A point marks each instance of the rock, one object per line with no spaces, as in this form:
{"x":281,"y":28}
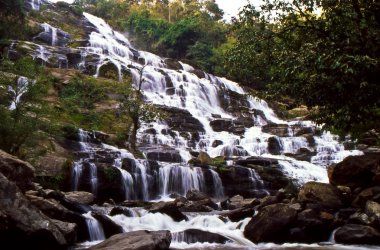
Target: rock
{"x":270,"y":224}
{"x":206,"y":205}
{"x":204,"y":159}
{"x":199,"y":73}
{"x":372,"y":209}
{"x":55,"y":210}
{"x":69,"y":230}
{"x":238,"y":201}
{"x":355,"y":171}
{"x":312,"y":226}
{"x":121,"y":210}
{"x":357,"y":234}
{"x":240,"y":213}
{"x":274,"y":145}
{"x":173,"y":64}
{"x":223,"y":124}
{"x":168,"y":208}
{"x":281,"y":130}
{"x":196,"y":195}
{"x":195,"y":235}
{"x":372,"y":193}
{"x":320,"y":195}
{"x":109,"y":226}
{"x":216,"y":143}
{"x":137,"y":240}
{"x":257,"y":160}
{"x":22,"y":225}
{"x":165,"y":155}
{"x":14,"y":169}
{"x":109,"y":70}
{"x":81,"y":197}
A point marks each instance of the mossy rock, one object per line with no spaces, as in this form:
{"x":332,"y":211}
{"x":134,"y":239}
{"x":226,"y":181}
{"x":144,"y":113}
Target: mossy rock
{"x":110,"y":71}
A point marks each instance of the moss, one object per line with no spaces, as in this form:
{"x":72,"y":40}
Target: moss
{"x":111,"y":174}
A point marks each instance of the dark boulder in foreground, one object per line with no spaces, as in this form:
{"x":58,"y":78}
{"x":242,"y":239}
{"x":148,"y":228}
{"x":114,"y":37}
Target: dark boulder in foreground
{"x":320,"y":195}
{"x":22,"y":225}
{"x":14,"y":169}
{"x":195,"y":235}
{"x":138,"y":240}
{"x":355,"y":171}
{"x":357,"y":234}
{"x":270,"y":224}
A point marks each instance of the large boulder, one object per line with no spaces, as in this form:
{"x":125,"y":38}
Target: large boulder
{"x":81,"y":197}
{"x":14,"y":169}
{"x":137,"y":240}
{"x":109,"y":226}
{"x":320,"y":195}
{"x":195,"y":235}
{"x":55,"y":210}
{"x":169,"y":208}
{"x":355,"y":171}
{"x":271,"y":224}
{"x":22,"y":225}
{"x":281,"y":130}
{"x":357,"y":234}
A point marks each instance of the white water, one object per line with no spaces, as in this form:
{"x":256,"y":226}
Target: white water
{"x":20,"y":89}
{"x":95,"y":229}
{"x":218,"y":185}
{"x":209,"y":223}
{"x":50,"y":30}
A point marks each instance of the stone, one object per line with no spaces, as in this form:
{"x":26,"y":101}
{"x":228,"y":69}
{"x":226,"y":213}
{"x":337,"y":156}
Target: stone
{"x":320,"y":195}
{"x":22,"y":225}
{"x":69,"y":230}
{"x":372,"y":209}
{"x":355,"y":171}
{"x":280,"y":130}
{"x":270,"y":224}
{"x":196,"y":195}
{"x":195,"y":235}
{"x":81,"y":197}
{"x":274,"y":145}
{"x":357,"y":234}
{"x":173,"y":64}
{"x":216,"y":143}
{"x":109,"y":226}
{"x":372,"y":193}
{"x":240,"y":213}
{"x":121,"y":210}
{"x":14,"y":169}
{"x":170,"y":209}
{"x":137,"y":240}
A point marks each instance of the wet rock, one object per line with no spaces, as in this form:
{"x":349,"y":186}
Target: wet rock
{"x":357,"y":234}
{"x":14,"y":169}
{"x":229,"y":125}
{"x":22,"y":225}
{"x":195,"y":235}
{"x":121,"y":210}
{"x":137,"y":240}
{"x":69,"y":230}
{"x":109,"y":70}
{"x":261,"y":161}
{"x":355,"y":171}
{"x":109,"y":226}
{"x":320,"y":195}
{"x":53,"y":209}
{"x":240,"y":213}
{"x":281,"y":130}
{"x":173,"y":64}
{"x":238,"y":201}
{"x":81,"y":197}
{"x":312,"y":226}
{"x":373,"y":209}
{"x":162,"y":154}
{"x":216,"y":143}
{"x":270,"y":224}
{"x":274,"y":145}
{"x":372,"y":193}
{"x":169,"y":208}
{"x":199,"y":73}
{"x":196,"y":195}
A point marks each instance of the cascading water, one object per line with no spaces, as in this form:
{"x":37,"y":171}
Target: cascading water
{"x":20,"y":89}
{"x":95,"y":229}
{"x":50,"y":30}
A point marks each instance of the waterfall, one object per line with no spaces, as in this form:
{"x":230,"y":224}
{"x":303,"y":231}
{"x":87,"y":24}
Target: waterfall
{"x":180,"y":179}
{"x":93,"y":178}
{"x":142,"y":179}
{"x":20,"y":89}
{"x":76,"y":174}
{"x":95,"y":229}
{"x":50,"y":30}
{"x":217,"y":184}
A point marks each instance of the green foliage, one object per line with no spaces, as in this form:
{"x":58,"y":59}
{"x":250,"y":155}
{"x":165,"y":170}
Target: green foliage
{"x":328,"y":61}
{"x":20,"y":126}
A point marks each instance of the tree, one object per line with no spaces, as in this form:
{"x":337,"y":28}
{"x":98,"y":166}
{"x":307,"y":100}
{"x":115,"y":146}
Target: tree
{"x":22,"y":107}
{"x":328,"y":61}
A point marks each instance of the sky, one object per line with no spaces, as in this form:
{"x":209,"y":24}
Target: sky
{"x":230,"y":7}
